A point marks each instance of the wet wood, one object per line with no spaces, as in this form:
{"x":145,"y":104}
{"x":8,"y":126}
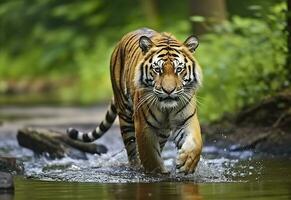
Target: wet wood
{"x":55,"y":144}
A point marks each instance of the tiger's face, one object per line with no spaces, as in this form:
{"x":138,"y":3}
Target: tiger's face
{"x":169,"y":73}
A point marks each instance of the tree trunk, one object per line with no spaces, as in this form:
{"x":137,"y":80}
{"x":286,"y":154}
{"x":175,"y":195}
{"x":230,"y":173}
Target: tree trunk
{"x":206,"y":14}
{"x":288,"y":29}
{"x":150,"y":9}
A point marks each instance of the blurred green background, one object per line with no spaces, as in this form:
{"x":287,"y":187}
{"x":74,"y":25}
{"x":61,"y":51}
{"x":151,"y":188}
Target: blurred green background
{"x":58,"y":51}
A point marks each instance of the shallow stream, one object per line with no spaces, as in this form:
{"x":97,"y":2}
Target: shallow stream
{"x":221,"y":174}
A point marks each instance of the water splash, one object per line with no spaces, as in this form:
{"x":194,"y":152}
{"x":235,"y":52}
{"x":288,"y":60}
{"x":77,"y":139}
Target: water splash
{"x":113,"y":167}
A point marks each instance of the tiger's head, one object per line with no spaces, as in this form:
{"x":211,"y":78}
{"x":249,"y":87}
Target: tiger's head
{"x":168,"y":73}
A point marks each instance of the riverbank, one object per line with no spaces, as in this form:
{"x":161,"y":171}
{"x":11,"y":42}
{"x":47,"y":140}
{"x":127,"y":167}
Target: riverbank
{"x":264,"y":127}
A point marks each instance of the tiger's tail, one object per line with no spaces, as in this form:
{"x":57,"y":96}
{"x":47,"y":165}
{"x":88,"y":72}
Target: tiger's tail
{"x":99,"y":130}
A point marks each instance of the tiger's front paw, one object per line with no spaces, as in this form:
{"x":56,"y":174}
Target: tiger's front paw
{"x":188,"y":159}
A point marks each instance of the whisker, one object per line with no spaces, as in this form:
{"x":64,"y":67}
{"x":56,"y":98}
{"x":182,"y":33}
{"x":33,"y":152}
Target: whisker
{"x":144,"y":99}
{"x":188,"y":98}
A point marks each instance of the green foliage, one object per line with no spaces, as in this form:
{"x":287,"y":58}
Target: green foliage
{"x":70,"y":43}
{"x":243,"y":61}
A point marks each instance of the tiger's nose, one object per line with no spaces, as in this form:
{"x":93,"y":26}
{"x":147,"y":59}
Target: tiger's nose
{"x":169,"y":90}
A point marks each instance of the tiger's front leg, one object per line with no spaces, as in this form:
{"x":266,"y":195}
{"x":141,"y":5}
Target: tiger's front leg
{"x":189,"y":143}
{"x":148,"y":145}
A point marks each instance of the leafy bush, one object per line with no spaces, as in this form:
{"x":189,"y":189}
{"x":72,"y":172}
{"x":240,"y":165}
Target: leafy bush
{"x":243,"y":61}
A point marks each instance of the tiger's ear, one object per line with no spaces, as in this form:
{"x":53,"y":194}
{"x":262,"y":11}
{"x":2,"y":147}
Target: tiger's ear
{"x":145,"y":43}
{"x":191,"y":43}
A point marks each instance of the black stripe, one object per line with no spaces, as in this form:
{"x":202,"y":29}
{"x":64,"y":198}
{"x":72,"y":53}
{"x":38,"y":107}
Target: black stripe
{"x":188,"y":118}
{"x":113,"y":108}
{"x":109,"y":118}
{"x":133,"y":56}
{"x":174,"y":45}
{"x":102,"y":127}
{"x":133,"y":53}
{"x":125,"y":129}
{"x":174,"y":55}
{"x":179,"y":52}
{"x":122,"y":75}
{"x":129,"y":140}
{"x":194,"y":75}
{"x":157,"y":150}
{"x":131,"y":152}
{"x":178,"y":142}
{"x":73,"y":133}
{"x":178,"y":134}
{"x":152,"y":126}
{"x":152,"y":114}
{"x":171,"y":45}
{"x":182,"y":107}
{"x":95,"y":134}
{"x":161,"y":55}
{"x":146,"y":71}
{"x":129,"y":40}
{"x":163,"y":49}
{"x":163,"y":136}
{"x":163,"y":142}
{"x":127,"y":106}
{"x":86,"y":138}
{"x":189,"y":71}
{"x":125,"y":118}
{"x":142,"y":74}
{"x":114,"y":84}
{"x":147,"y":79}
{"x":133,"y":45}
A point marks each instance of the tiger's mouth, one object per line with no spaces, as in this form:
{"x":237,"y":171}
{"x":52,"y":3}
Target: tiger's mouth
{"x":168,"y":99}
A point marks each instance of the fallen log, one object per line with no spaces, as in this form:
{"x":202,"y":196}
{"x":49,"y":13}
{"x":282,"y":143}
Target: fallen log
{"x":56,"y":144}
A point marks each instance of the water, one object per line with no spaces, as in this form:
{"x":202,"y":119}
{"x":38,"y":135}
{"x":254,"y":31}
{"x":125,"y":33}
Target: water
{"x":221,"y":174}
{"x":273,"y":182}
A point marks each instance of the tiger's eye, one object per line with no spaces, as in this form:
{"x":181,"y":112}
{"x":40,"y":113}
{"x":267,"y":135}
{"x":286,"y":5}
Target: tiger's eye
{"x":179,"y":69}
{"x":157,"y":69}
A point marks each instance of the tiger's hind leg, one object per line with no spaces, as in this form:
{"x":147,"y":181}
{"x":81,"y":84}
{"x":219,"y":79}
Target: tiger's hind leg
{"x":128,"y":136}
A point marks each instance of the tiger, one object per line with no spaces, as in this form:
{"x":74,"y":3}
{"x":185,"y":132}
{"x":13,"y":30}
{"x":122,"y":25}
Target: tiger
{"x":154,"y":79}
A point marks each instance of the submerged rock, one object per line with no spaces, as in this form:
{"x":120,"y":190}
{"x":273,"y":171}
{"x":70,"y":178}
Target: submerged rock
{"x":11,"y":165}
{"x":6,"y":181}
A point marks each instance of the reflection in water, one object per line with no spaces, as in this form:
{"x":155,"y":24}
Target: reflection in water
{"x":144,"y":191}
{"x":6,"y":195}
{"x":246,"y":178}
{"x":275,"y":183}
{"x":29,"y":189}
